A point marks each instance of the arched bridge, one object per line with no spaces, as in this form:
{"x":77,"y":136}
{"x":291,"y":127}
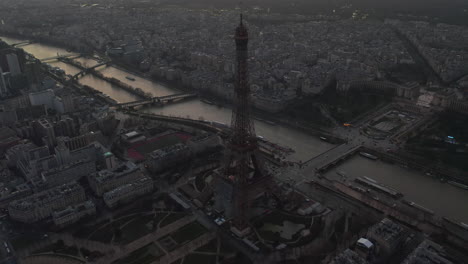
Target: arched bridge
{"x":204,"y":125}
{"x":157,"y":100}
{"x":87,"y":70}
{"x":70,"y":56}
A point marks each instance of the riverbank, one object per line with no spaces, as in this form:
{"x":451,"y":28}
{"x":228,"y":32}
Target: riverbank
{"x":44,"y":40}
{"x":83,"y":89}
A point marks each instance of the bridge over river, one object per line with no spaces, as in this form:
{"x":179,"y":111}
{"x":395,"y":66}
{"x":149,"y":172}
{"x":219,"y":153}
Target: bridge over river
{"x":157,"y":100}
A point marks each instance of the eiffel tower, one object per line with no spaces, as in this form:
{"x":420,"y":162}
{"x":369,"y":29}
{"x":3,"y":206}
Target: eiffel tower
{"x":243,"y":177}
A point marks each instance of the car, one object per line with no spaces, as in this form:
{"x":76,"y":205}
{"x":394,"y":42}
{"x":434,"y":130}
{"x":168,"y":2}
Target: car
{"x":220,"y":220}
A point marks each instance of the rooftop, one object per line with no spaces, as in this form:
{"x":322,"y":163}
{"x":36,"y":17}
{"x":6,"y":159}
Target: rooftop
{"x":160,"y":153}
{"x":348,"y":257}
{"x":428,"y":252}
{"x":74,"y":209}
{"x":45,"y":197}
{"x":120,"y":171}
{"x":126,"y":188}
{"x":387,"y":230}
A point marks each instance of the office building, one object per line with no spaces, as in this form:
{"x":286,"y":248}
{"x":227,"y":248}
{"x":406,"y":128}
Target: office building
{"x":428,"y":252}
{"x":106,"y":180}
{"x":34,"y":74}
{"x":41,"y":205}
{"x":388,"y":236}
{"x":167,"y":157}
{"x":13,"y":64}
{"x":45,"y":131}
{"x":348,"y":257}
{"x":71,"y":171}
{"x":73,"y":143}
{"x":73,"y":213}
{"x":3,"y":84}
{"x":128,"y":192}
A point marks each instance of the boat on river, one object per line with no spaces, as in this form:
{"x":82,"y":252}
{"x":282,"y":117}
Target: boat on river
{"x":367,"y":155}
{"x":457,"y":184}
{"x":270,"y":122}
{"x":207,"y":101}
{"x":130,"y":78}
{"x":341,"y":173}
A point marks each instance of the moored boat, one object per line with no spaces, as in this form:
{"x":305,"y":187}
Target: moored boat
{"x":207,"y":101}
{"x":367,"y":155}
{"x":457,"y":184}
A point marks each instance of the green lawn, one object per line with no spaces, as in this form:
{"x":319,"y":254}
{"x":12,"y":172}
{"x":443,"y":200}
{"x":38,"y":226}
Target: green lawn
{"x":58,"y":248}
{"x":62,"y":257}
{"x":144,"y":255}
{"x":188,"y":232}
{"x":210,"y":247}
{"x":103,"y":234}
{"x":200,"y":258}
{"x":172,"y":218}
{"x":183,"y":235}
{"x":278,"y":218}
{"x":24,"y":241}
{"x":177,"y":261}
{"x":135,"y":229}
{"x":85,"y":230}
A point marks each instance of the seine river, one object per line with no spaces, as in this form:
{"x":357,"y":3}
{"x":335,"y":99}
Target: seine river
{"x":444,"y":199}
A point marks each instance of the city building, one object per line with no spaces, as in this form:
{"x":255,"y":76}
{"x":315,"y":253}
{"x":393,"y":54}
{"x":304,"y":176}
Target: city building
{"x":34,"y":74}
{"x":80,"y":141}
{"x":73,"y":213}
{"x":13,"y":64}
{"x":70,"y":171}
{"x":13,"y":154}
{"x":167,"y":157}
{"x":109,"y":179}
{"x":8,"y":116}
{"x":132,"y":137}
{"x":32,"y":163}
{"x":110,"y":162}
{"x":310,"y":207}
{"x":45,"y":131}
{"x":65,"y":127}
{"x":7,"y":195}
{"x":41,"y":205}
{"x":348,"y":257}
{"x":45,"y":97}
{"x":8,"y":139}
{"x":3,"y":84}
{"x":428,"y":252}
{"x":204,"y":143}
{"x":61,"y":104}
{"x":388,"y":236}
{"x":128,"y":192}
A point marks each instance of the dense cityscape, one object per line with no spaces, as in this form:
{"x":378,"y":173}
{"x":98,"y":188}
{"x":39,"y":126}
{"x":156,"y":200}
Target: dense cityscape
{"x":138,"y":132}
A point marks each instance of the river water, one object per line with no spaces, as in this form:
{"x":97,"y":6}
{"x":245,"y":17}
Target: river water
{"x":306,"y":146}
{"x":444,"y":199}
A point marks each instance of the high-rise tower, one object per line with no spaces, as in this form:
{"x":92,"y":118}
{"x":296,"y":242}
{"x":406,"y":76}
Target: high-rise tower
{"x":243,"y":169}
